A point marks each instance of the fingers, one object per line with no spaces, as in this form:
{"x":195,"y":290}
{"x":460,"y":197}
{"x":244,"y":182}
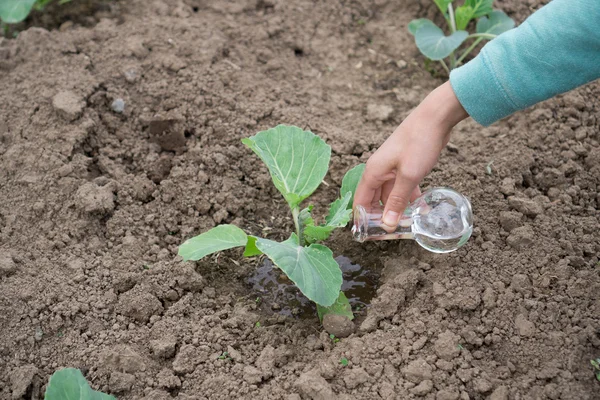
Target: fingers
{"x":369,"y":189}
{"x":398,"y":199}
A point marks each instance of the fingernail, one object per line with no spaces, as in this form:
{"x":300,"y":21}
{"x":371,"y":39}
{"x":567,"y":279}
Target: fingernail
{"x":391,"y":218}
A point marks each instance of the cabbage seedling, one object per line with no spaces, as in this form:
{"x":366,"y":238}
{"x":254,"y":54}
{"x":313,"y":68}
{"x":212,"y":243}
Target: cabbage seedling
{"x":297,"y":161}
{"x":70,"y":384}
{"x":435,"y":45}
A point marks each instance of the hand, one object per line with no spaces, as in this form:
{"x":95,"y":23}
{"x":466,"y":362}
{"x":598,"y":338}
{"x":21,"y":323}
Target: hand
{"x":394,"y":171}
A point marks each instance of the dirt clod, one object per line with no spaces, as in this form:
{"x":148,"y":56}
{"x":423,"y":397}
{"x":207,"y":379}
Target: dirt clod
{"x":21,"y":379}
{"x":121,"y":382}
{"x":68,"y":105}
{"x":418,"y":371}
{"x":338,"y":325}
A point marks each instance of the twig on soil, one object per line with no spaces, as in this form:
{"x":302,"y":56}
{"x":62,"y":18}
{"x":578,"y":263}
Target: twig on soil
{"x":233,"y":65}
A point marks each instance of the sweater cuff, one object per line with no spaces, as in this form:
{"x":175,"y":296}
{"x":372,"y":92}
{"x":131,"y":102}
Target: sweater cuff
{"x":479,"y":92}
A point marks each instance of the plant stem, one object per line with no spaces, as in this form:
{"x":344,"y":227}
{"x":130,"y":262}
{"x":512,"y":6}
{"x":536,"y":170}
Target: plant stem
{"x":489,"y":36}
{"x":452,"y":19}
{"x":468,"y":50}
{"x":295,"y":213}
{"x":445,"y":66}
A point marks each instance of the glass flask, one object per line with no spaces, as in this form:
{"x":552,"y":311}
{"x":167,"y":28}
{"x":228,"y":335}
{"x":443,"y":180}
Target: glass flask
{"x":441,"y":221}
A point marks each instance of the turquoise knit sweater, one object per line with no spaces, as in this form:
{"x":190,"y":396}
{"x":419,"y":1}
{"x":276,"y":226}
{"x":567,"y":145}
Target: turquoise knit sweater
{"x":555,"y":50}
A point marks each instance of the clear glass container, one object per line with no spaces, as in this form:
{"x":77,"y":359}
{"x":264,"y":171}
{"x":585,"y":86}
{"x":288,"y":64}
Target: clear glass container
{"x":441,"y":221}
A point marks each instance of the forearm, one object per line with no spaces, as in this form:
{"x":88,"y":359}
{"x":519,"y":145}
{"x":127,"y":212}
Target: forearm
{"x":555,"y":50}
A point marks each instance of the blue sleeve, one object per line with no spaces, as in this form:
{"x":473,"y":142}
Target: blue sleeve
{"x":555,"y":50}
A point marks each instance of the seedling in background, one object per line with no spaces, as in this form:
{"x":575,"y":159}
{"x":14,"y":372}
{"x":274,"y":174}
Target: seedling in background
{"x":298,"y":161}
{"x":435,"y":45}
{"x":344,"y":361}
{"x":15,"y":11}
{"x":596,"y":364}
{"x":70,"y":384}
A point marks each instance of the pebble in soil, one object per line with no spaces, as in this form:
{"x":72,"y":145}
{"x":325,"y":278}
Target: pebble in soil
{"x":274,"y":291}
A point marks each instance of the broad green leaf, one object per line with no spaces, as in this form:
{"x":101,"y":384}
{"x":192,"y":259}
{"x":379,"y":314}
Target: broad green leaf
{"x":219,"y":238}
{"x":351,"y":180}
{"x":339,"y":214}
{"x":317,"y":233}
{"x":464,"y":15}
{"x":297,"y":160}
{"x":13,"y":11}
{"x":443,"y":5}
{"x":417,"y":23}
{"x":313,"y":269}
{"x":251,"y":249}
{"x":480,"y":7}
{"x":497,"y":22}
{"x":340,"y":307}
{"x":434,"y":45}
{"x":70,"y":384}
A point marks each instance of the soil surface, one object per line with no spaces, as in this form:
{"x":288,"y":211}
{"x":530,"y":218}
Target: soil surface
{"x":120,"y":138}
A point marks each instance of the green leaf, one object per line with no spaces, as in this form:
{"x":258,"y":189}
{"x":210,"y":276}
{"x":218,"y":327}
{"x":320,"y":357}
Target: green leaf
{"x":317,"y":233}
{"x":313,"y":269}
{"x":14,"y":11}
{"x":497,"y":22}
{"x":339,"y":213}
{"x":70,"y":384}
{"x":344,"y":361}
{"x":464,"y":14}
{"x":340,"y":307}
{"x":416,"y":24}
{"x":480,"y":7}
{"x":251,"y":249}
{"x":351,"y":180}
{"x":443,"y":5}
{"x":297,"y":160}
{"x":219,"y":238}
{"x":434,"y":45}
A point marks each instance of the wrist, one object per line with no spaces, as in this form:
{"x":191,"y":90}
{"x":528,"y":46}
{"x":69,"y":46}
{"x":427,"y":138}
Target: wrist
{"x":443,"y":107}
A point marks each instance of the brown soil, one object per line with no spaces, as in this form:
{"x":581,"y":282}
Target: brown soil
{"x":94,"y":203}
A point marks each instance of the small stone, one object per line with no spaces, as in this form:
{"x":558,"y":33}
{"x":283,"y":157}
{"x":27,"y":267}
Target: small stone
{"x":422,"y":388}
{"x":164,"y":347}
{"x":252,"y":375}
{"x":234,"y":354}
{"x":524,"y":327}
{"x":68,"y":105}
{"x":446,"y":346}
{"x":526,"y":206}
{"x":355,"y":377}
{"x":39,"y":334}
{"x":489,"y":298}
{"x":21,"y":379}
{"x":338,"y":325}
{"x":120,"y":382}
{"x":7,"y":265}
{"x":379,"y":112}
{"x":417,"y":371}
{"x":501,"y":393}
{"x":118,"y":106}
{"x":507,"y":186}
{"x":510,"y":220}
{"x":521,"y":238}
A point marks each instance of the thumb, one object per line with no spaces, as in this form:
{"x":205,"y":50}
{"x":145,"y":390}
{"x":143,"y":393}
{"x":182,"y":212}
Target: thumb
{"x":398,"y":200}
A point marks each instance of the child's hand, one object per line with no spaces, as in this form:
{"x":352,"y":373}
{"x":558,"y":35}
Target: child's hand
{"x":394,"y":171}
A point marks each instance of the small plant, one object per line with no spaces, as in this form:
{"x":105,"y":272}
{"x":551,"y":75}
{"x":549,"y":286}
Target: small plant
{"x":333,"y":338}
{"x":70,"y":384}
{"x":15,"y":11}
{"x":297,"y":161}
{"x":344,"y":361}
{"x":257,"y":324}
{"x":436,"y":46}
{"x":596,"y":364}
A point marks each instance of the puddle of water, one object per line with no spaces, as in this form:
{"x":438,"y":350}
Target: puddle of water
{"x":275,"y":291}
